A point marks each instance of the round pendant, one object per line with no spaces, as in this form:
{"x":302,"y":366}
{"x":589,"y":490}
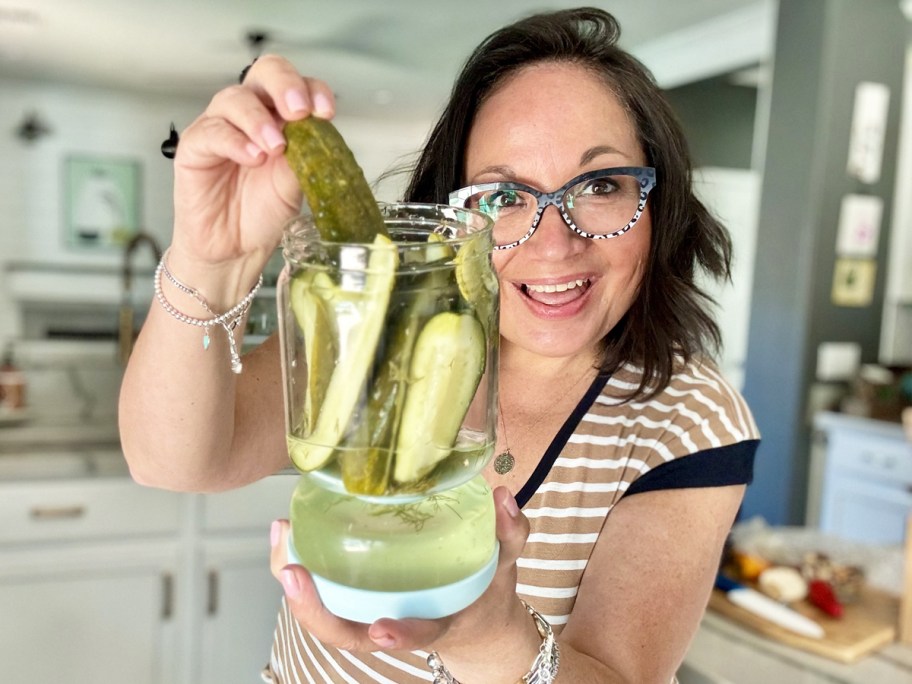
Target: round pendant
{"x":504,"y":462}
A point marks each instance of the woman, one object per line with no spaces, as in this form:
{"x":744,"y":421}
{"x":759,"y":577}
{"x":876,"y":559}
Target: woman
{"x":630,"y":452}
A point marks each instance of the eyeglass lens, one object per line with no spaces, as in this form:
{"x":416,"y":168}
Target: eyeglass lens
{"x":599,"y":206}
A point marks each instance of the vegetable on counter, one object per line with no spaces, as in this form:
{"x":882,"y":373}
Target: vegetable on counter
{"x":821,"y":594}
{"x":783,"y":583}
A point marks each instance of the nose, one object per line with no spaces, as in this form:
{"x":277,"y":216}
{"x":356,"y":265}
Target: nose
{"x":553,"y":238}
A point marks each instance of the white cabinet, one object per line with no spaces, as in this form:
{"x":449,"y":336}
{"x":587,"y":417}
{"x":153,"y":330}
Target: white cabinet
{"x":863,"y":477}
{"x":241,"y":596}
{"x":86,"y":589}
{"x":241,"y":603}
{"x":102,"y":580}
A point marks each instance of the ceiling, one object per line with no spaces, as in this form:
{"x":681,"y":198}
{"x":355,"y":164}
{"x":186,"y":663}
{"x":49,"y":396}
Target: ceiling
{"x":381,"y":58}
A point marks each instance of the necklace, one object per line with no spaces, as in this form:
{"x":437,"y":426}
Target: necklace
{"x":504,"y":461}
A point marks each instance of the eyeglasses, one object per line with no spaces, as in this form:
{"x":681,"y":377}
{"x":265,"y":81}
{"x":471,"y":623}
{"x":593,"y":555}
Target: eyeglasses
{"x":598,"y":205}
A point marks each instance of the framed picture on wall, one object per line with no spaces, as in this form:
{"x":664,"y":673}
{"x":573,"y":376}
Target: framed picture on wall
{"x":101,"y":200}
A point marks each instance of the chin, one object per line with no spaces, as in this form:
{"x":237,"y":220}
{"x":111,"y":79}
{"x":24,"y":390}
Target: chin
{"x":554,"y":345}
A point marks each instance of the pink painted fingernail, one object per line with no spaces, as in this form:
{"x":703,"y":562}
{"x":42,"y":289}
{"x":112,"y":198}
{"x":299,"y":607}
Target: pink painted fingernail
{"x":322,"y":106}
{"x":275,"y":533}
{"x":253,"y":150}
{"x":384,"y":640}
{"x":296,"y":101}
{"x":290,"y":583}
{"x":511,"y":506}
{"x":273,"y":136}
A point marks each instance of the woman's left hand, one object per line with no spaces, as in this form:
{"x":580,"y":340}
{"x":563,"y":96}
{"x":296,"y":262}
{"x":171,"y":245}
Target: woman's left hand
{"x":495,"y":608}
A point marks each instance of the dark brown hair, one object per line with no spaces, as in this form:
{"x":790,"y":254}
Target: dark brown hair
{"x":670,"y":319}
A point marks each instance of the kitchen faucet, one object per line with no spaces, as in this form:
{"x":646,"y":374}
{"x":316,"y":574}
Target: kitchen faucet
{"x":126,"y":333}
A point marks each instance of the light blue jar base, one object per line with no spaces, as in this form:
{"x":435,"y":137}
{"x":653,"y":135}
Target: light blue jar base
{"x":366,"y":605}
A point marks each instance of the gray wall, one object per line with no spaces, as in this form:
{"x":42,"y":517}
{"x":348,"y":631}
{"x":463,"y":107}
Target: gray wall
{"x":718,"y":118}
{"x":824,"y":48}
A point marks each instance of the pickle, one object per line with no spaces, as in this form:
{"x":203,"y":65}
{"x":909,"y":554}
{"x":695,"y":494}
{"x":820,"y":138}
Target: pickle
{"x":308,"y":294}
{"x":447,"y":365}
{"x":368,"y":314}
{"x":340,"y":199}
{"x":477,"y":282}
{"x":366,"y":457}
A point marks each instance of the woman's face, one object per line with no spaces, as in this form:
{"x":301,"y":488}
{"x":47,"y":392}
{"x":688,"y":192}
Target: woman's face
{"x":546,"y":125}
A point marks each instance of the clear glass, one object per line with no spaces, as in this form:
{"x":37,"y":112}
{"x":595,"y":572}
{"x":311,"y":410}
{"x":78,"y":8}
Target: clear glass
{"x":389,"y":353}
{"x":425,"y":544}
{"x":598,"y":204}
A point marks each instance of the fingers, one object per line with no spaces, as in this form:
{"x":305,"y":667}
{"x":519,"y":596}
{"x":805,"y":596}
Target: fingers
{"x":244,"y":122}
{"x":278,"y":542}
{"x":512,"y":527}
{"x":407,"y":634}
{"x":304,"y":601}
{"x":292,"y":96}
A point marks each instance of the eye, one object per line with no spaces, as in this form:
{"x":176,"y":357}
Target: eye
{"x":496,"y":202}
{"x":598,"y":186}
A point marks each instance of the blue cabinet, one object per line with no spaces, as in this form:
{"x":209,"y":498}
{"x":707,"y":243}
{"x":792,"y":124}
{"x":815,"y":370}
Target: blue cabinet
{"x":865,"y":478}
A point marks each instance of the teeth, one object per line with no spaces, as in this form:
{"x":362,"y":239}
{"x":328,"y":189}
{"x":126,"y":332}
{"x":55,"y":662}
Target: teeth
{"x":562,"y":287}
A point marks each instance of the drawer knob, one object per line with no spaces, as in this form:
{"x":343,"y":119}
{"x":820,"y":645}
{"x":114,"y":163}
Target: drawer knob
{"x":57,"y":512}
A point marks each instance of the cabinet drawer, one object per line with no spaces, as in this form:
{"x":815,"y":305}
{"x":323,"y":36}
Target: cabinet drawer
{"x":871,"y":456}
{"x":252,"y":507}
{"x":79,"y":509}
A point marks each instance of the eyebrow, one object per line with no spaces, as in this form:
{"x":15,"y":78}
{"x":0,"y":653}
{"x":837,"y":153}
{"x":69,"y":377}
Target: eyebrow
{"x":509,"y":174}
{"x":504,"y":172}
{"x":597,"y":151}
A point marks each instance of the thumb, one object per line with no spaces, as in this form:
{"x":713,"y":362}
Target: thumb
{"x":512,"y":526}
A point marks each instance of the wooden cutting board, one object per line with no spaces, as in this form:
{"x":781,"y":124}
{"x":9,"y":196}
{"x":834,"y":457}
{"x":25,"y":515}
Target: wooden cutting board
{"x":867,"y":625}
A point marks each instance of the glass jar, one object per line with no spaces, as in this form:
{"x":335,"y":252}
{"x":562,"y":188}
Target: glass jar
{"x":389,"y":364}
{"x":389,"y":353}
{"x":424,"y":559}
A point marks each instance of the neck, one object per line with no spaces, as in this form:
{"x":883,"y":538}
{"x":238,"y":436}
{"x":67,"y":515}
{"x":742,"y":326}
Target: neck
{"x":516,"y":362}
{"x":525,"y":379}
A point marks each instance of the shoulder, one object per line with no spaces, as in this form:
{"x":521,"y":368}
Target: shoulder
{"x":698,"y":410}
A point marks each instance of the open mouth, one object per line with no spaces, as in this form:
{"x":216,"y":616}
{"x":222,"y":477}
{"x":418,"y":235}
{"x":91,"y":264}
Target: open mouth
{"x":557,"y":294}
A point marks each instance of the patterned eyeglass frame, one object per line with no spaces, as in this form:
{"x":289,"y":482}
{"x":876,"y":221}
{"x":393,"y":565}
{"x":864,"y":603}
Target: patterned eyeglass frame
{"x":645,"y":176}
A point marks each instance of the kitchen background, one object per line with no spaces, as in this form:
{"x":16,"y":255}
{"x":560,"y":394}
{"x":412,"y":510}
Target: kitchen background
{"x":799,"y":113}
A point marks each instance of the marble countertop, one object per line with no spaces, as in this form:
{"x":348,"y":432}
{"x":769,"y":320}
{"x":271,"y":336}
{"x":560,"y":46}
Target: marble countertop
{"x":724,"y":652}
{"x":27,"y":432}
{"x":42,"y":448}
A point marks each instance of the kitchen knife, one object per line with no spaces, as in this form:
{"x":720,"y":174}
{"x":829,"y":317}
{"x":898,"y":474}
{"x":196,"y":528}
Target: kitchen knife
{"x":767,"y":608}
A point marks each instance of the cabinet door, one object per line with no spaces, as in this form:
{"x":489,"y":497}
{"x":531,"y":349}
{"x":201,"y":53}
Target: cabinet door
{"x":241,"y":604}
{"x":84,"y":625}
{"x":865,"y":512}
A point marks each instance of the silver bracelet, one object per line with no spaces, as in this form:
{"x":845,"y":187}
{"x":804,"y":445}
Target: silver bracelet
{"x":230,"y":320}
{"x":544,"y":667}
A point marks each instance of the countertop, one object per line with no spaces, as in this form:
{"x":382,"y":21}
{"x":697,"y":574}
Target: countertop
{"x":724,"y":652}
{"x":44,"y":448}
{"x":828,"y":420}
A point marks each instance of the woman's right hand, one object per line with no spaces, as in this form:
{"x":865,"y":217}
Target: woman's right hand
{"x":233,"y":190}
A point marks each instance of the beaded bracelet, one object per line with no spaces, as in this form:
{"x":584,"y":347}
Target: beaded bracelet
{"x":544,"y":667}
{"x":230,"y":320}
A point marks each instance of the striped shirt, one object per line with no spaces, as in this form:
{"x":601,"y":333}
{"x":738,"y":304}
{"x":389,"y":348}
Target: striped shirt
{"x":607,"y":449}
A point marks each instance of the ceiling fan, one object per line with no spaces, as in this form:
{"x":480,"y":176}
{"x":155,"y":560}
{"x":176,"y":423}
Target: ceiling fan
{"x":367,"y":37}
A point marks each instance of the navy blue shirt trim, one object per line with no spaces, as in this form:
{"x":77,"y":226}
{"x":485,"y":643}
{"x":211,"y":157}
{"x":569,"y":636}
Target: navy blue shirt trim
{"x":726,"y":465}
{"x":560,"y":440}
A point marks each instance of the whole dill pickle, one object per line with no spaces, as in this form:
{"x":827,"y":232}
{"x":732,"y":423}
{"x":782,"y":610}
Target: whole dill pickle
{"x":343,"y":206}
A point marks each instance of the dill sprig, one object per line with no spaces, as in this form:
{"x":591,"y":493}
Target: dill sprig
{"x":417,"y":513}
